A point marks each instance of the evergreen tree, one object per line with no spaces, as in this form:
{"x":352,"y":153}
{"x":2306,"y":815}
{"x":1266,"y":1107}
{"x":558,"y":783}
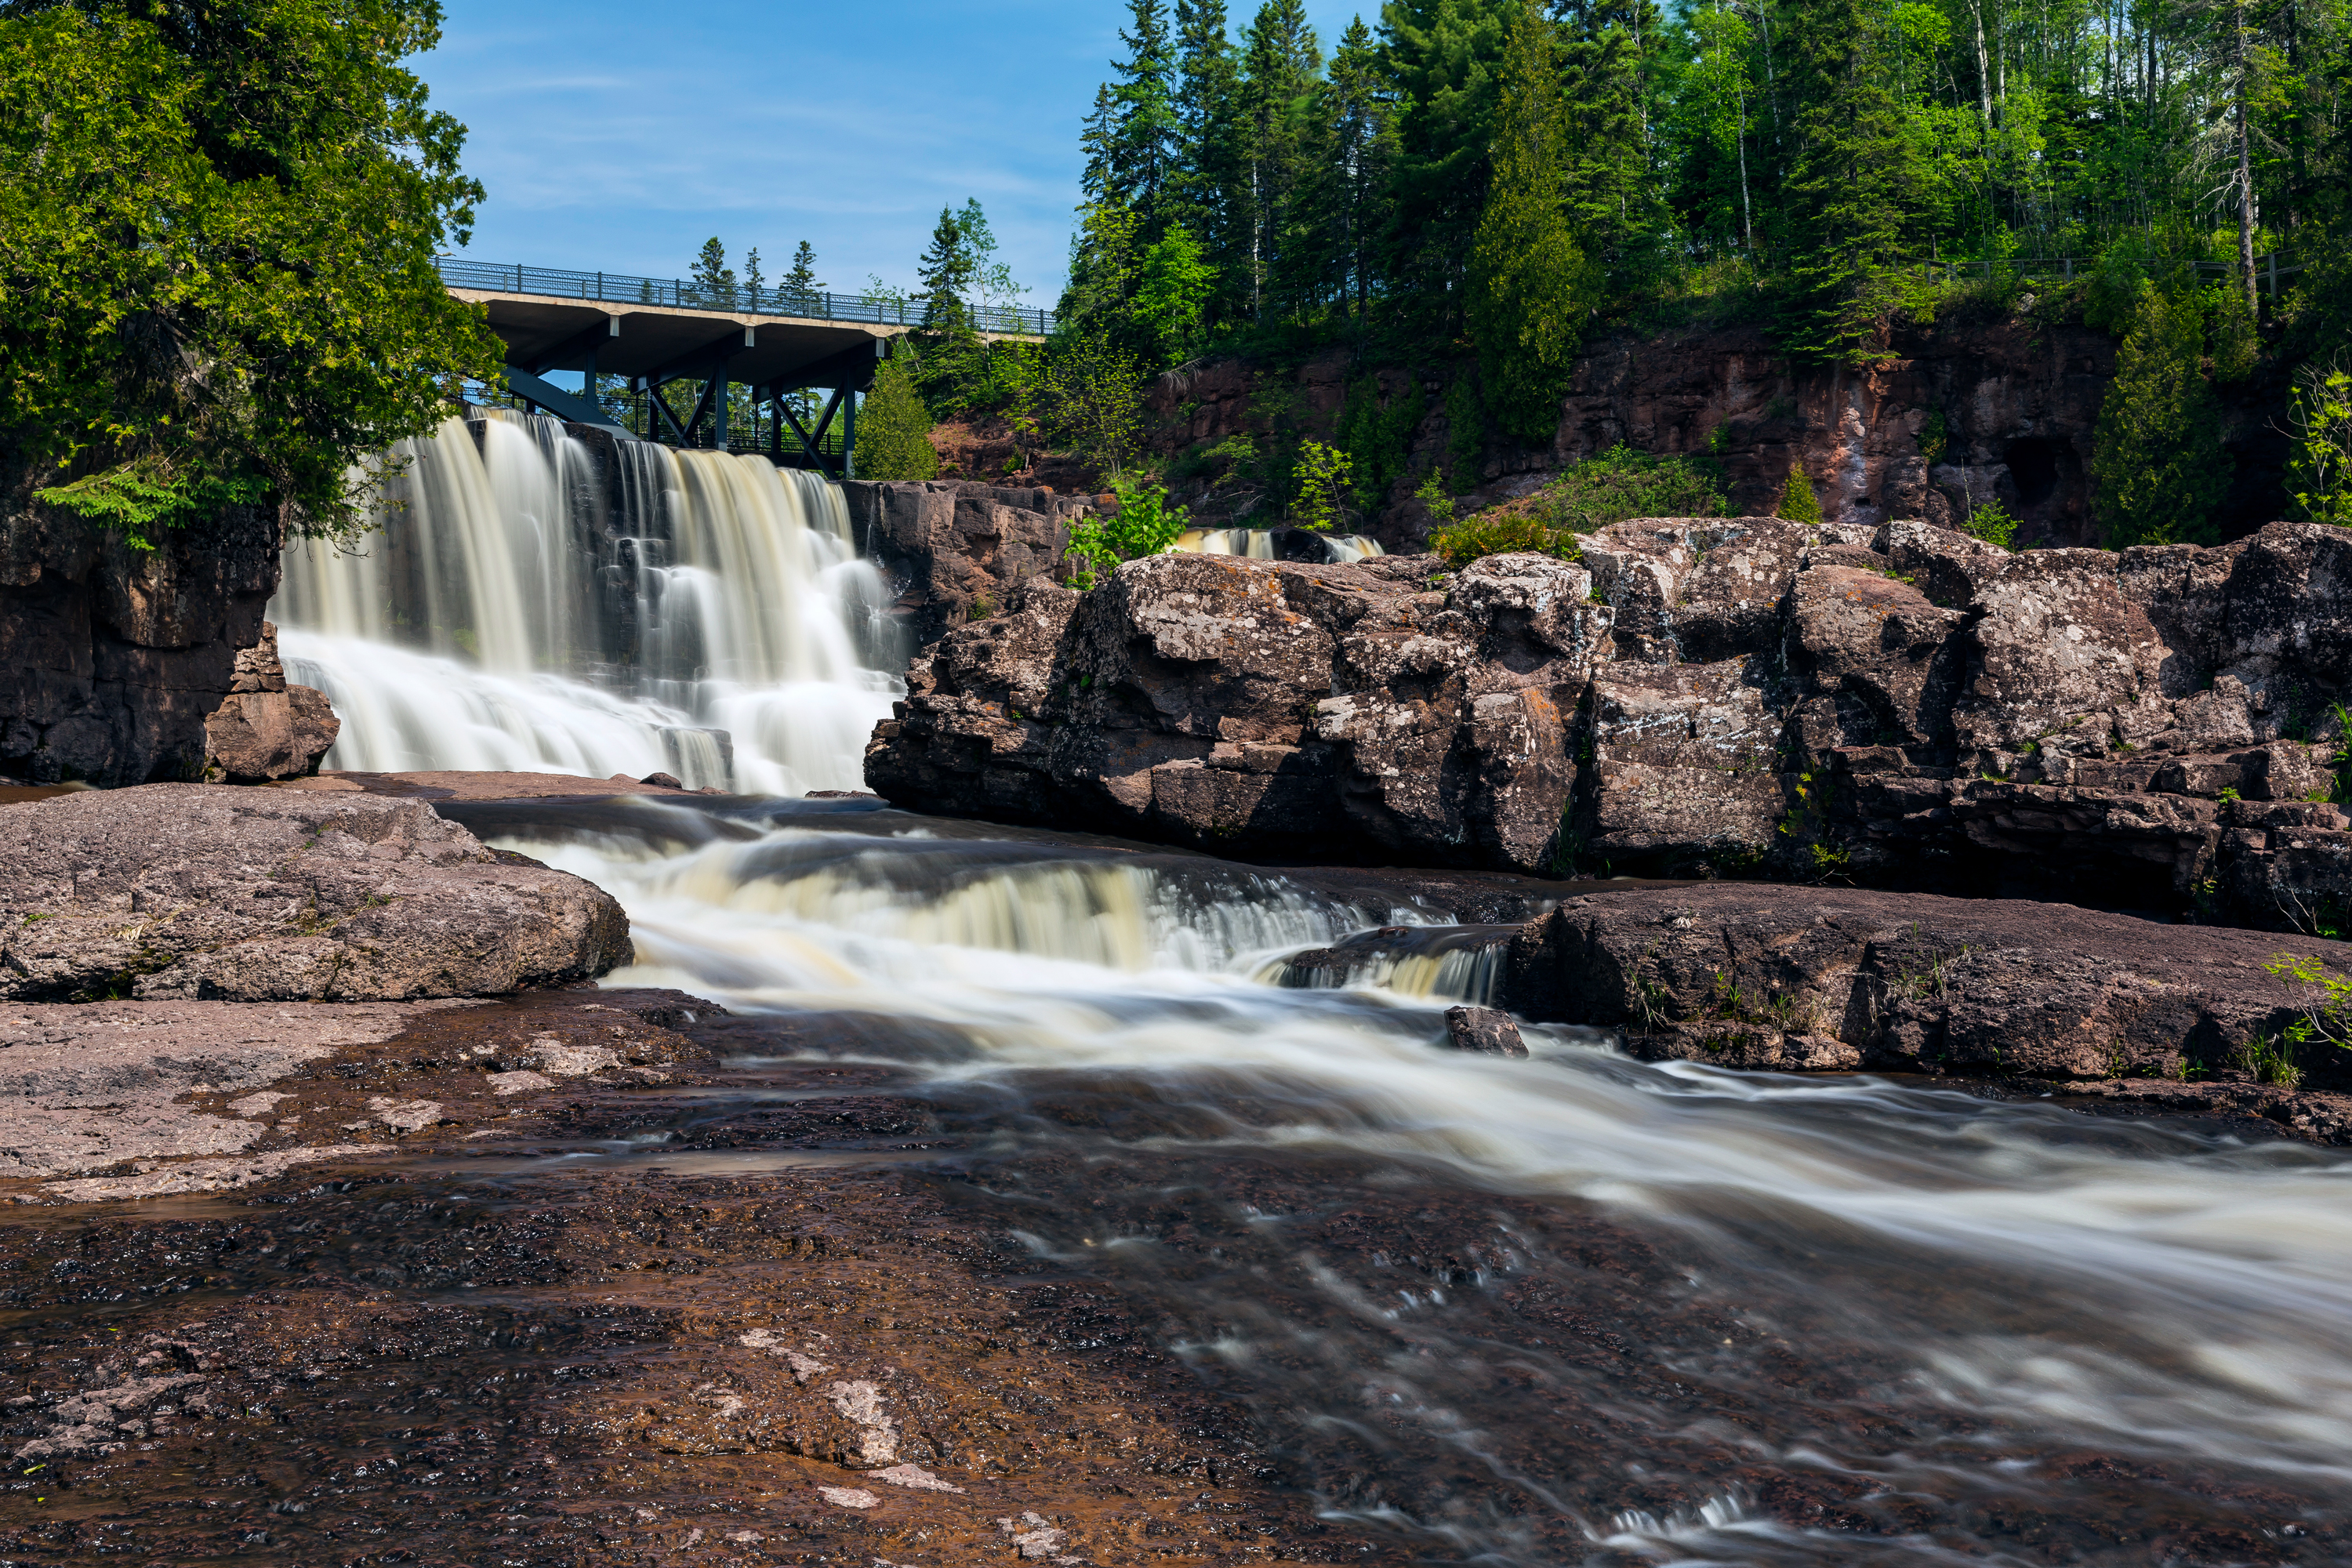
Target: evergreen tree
{"x":1530,"y":288}
{"x":1847,"y":204}
{"x":801,"y":280}
{"x":1280,"y":61}
{"x":1613,"y":195}
{"x":950,"y":367}
{"x":1441,"y":59}
{"x":2157,"y":466}
{"x":1144,"y":134}
{"x":1173,"y":289}
{"x":893,"y":429}
{"x":1209,"y":183}
{"x":752,"y":281}
{"x":712,"y":280}
{"x":1354,"y":144}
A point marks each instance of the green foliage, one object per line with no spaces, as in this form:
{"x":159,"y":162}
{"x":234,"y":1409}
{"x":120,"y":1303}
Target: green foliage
{"x":894,"y":428}
{"x":1501,"y":534}
{"x":2156,"y":464}
{"x":1379,"y":436}
{"x":1173,"y":293}
{"x":2319,"y":476}
{"x":2323,"y":995}
{"x":216,"y":244}
{"x":1324,"y":476}
{"x":1991,"y":523}
{"x":1935,"y":436}
{"x":1432,"y":495}
{"x":1087,"y":397}
{"x":1466,"y":433}
{"x":1531,"y":287}
{"x":1798,"y":501}
{"x":712,"y":280}
{"x":2270,"y":1060}
{"x":1144,"y":525}
{"x":1620,"y":484}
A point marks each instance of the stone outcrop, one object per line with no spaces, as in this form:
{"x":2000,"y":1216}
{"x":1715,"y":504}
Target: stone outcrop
{"x":199,"y":891}
{"x":111,"y":657}
{"x":267,"y":729}
{"x":1900,"y":705}
{"x":1837,"y":979}
{"x":955,"y":551}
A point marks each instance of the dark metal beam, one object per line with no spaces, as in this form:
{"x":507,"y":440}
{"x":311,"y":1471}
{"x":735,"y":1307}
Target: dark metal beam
{"x":707,"y":359}
{"x":566,"y":354}
{"x":808,"y":444}
{"x":560,"y":402}
{"x":852,"y":368}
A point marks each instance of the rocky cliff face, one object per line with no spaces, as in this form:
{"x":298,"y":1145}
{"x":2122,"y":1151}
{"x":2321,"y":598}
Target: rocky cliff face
{"x":1899,"y":706}
{"x":111,"y":659}
{"x":954,"y":550}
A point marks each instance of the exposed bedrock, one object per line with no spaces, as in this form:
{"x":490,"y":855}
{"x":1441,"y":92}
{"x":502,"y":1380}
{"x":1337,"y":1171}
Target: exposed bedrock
{"x":1899,"y":706}
{"x":111,"y":657}
{"x":1831,"y":979}
{"x":199,"y":891}
{"x":955,"y":551}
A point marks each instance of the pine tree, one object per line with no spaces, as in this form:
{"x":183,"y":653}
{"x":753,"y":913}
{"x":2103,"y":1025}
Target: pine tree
{"x":893,"y":429}
{"x":1613,"y":195}
{"x":1362,"y":147}
{"x":951,"y":362}
{"x":1280,"y":60}
{"x":801,"y":280}
{"x":2157,"y":466}
{"x":1531,"y":287}
{"x":1209,"y":183}
{"x":712,"y":280}
{"x":1442,"y":57}
{"x":1798,"y":500}
{"x":751,"y":278}
{"x":1849,"y":198}
{"x":1143,"y":139}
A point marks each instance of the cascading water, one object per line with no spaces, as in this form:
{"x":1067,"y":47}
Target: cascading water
{"x":1932,"y":1303}
{"x":527,"y":608}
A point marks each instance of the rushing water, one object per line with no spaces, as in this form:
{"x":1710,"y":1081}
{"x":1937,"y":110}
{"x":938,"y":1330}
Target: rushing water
{"x":526,"y":607}
{"x":1667,"y":1314}
{"x":1935,"y":1302}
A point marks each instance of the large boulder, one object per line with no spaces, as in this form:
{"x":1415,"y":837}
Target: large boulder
{"x":1749,"y":976}
{"x":254,"y":895}
{"x":1899,"y":705}
{"x":267,"y":729}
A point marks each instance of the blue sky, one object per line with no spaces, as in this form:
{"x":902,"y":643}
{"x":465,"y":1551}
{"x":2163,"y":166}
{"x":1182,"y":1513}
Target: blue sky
{"x":620,"y":136}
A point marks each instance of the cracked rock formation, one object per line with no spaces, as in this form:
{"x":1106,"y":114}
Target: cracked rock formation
{"x":267,"y":729}
{"x":2160,"y":728}
{"x":199,"y":891}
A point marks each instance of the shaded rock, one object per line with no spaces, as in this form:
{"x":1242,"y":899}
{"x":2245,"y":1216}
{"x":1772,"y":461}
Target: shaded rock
{"x":1820,"y":979}
{"x":267,"y":730}
{"x":200,"y":892}
{"x":955,"y":551}
{"x":1488,"y":1030}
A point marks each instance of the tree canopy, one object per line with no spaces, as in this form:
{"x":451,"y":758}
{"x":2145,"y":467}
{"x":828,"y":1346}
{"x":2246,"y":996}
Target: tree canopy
{"x":218,"y":231}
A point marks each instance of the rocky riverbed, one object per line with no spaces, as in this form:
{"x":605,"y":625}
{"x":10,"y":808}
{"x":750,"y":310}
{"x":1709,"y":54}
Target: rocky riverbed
{"x":928,"y":1192}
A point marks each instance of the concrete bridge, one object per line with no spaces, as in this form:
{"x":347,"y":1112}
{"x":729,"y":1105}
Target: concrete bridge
{"x":657,"y":330}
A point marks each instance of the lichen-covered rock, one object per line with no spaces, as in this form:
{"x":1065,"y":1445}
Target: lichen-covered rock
{"x":1749,"y":976}
{"x":1898,"y":704}
{"x":202,"y":891}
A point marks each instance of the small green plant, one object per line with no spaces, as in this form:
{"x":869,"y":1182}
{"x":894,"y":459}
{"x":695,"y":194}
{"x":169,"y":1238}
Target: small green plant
{"x":1829,"y":863}
{"x":2324,"y":995}
{"x":2270,"y":1060}
{"x":1324,"y":478}
{"x":1798,"y":501}
{"x":2229,"y":793}
{"x":1484,"y":534}
{"x":1432,"y":494}
{"x":1991,"y":523}
{"x":1935,"y":436}
{"x":1144,"y":525}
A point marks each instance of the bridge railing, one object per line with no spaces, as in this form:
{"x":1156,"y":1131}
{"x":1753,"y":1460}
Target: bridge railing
{"x":623,"y":288}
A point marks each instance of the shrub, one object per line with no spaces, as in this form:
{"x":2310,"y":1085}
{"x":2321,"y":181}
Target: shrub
{"x":1798,"y":502}
{"x":1621,"y":483}
{"x":1500,"y":533}
{"x":894,"y":428}
{"x":1145,"y":525}
{"x":1991,"y":523}
{"x":1323,"y":483}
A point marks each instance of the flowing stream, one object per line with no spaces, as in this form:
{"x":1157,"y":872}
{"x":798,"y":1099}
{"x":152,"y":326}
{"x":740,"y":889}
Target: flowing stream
{"x":1667,"y":1313}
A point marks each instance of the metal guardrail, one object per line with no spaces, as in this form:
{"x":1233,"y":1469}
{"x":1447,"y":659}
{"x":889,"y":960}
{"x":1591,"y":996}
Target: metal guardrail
{"x":622,"y":288}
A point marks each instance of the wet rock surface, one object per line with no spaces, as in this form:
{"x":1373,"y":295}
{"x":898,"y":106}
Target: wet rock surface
{"x":827,"y":1313}
{"x":199,"y":891}
{"x":1899,"y":706}
{"x":956,"y":551}
{"x":1839,"y":979}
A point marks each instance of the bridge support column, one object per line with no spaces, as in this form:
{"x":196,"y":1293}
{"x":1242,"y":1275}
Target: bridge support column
{"x":849,"y":433}
{"x":719,"y":409}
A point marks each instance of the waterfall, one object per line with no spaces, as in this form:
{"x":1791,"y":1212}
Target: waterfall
{"x":1257,"y":544}
{"x":532,"y":602}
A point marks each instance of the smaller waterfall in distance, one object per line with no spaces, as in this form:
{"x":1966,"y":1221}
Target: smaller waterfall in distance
{"x":534,"y":602}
